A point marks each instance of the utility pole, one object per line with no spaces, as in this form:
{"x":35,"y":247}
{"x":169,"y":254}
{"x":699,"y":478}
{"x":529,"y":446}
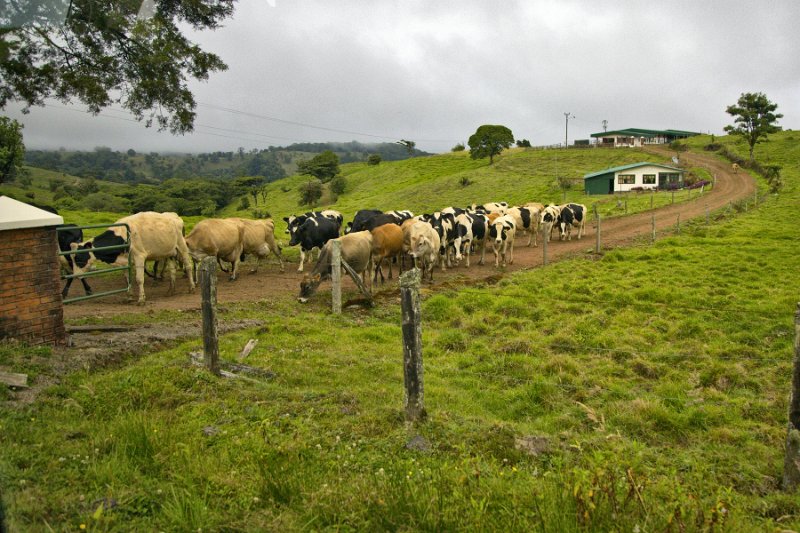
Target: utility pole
{"x":568,"y":116}
{"x":605,"y":126}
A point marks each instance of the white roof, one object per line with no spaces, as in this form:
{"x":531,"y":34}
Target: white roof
{"x":18,"y":215}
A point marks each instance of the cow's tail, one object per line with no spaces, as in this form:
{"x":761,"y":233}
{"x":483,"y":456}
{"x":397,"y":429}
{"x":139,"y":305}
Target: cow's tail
{"x":221,"y":267}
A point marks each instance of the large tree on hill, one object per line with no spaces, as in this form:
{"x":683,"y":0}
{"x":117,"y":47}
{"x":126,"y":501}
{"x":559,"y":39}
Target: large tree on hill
{"x":101,"y":52}
{"x":489,"y":141}
{"x":755,"y":118}
{"x":323,"y":166}
{"x":12,"y":149}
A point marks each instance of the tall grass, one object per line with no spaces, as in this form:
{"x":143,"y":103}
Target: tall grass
{"x":644,"y":390}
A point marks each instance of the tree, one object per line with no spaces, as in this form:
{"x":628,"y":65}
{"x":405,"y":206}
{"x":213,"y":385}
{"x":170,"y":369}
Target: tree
{"x":755,"y":118}
{"x":103,"y":52}
{"x":12,"y":149}
{"x":374,"y":159}
{"x":489,"y":140}
{"x":410,"y":145}
{"x":523,"y":143}
{"x":310,"y":192}
{"x":323,"y":166}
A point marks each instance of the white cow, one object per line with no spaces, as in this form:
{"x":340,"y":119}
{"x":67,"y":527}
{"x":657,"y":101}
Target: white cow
{"x":153,"y":236}
{"x":424,"y":244}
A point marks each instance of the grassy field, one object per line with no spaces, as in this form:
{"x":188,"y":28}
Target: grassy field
{"x":643,"y":391}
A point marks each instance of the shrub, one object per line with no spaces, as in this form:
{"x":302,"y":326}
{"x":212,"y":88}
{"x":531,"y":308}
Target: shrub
{"x":458,"y":148}
{"x":374,"y":159}
{"x":339,"y":184}
{"x":464,"y":181}
{"x":310,"y":192}
{"x":244,"y":204}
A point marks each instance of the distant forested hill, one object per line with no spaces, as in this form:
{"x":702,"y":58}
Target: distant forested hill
{"x":271,"y":163}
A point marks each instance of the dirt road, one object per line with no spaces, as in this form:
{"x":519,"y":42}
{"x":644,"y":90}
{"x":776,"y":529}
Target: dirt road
{"x":269,"y":282}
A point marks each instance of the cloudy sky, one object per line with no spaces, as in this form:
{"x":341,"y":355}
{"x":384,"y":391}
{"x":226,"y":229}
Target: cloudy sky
{"x":433,"y":71}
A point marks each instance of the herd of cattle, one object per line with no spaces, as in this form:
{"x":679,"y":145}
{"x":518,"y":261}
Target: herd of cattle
{"x":373,"y":238}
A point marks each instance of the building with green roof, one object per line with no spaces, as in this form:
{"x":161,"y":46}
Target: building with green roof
{"x":637,"y":176}
{"x":636,"y":137}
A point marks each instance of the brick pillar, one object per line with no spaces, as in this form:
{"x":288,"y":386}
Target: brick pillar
{"x":30,"y":286}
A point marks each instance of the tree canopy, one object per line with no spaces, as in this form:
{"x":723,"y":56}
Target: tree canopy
{"x":102,"y":52}
{"x":12,"y":149}
{"x":755,"y":117}
{"x":323,"y":166}
{"x":488,"y":141}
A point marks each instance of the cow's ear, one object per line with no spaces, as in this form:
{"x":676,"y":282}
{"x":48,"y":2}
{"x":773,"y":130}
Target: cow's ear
{"x":286,"y":219}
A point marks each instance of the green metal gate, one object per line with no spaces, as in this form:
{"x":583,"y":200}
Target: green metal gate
{"x":126,"y":247}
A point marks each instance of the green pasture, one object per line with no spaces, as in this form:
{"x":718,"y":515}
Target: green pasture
{"x":642,"y":390}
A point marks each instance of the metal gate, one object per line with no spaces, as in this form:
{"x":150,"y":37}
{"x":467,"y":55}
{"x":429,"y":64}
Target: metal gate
{"x":126,"y":247}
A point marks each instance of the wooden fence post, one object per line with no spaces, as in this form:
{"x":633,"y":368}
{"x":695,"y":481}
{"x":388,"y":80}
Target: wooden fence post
{"x":673,"y":196}
{"x":597,"y":233}
{"x":678,"y":225}
{"x":653,"y":223}
{"x":545,"y":238}
{"x":412,"y":346}
{"x":652,"y":195}
{"x":791,"y":461}
{"x":207,"y":279}
{"x":336,"y":276}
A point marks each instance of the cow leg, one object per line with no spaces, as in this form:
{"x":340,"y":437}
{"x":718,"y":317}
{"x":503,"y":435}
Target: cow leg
{"x":139,"y":266}
{"x":86,"y":286}
{"x":467,"y":251}
{"x":170,"y":266}
{"x":276,"y":250}
{"x":496,"y":255}
{"x":511,"y":253}
{"x":65,"y":291}
{"x":302,"y":260}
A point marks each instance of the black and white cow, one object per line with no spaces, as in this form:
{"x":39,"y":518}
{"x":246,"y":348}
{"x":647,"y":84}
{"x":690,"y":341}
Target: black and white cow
{"x":360,"y":220}
{"x":502,"y":232}
{"x":297,"y":220}
{"x":463,"y":237}
{"x":312,"y":233}
{"x":572,"y":215}
{"x":480,"y":232}
{"x":527,"y":220}
{"x":549,"y":219}
{"x":70,"y":238}
{"x":491,"y":207}
{"x":445,"y":226}
{"x":400,"y":216}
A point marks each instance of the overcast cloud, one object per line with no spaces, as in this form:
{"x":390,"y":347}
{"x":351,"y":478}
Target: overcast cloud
{"x":432,"y":72}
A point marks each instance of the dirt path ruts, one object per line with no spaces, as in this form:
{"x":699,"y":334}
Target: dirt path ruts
{"x":269,"y":282}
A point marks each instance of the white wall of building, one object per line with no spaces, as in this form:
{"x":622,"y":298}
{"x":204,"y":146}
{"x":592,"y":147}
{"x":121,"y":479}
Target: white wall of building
{"x":639,"y":174}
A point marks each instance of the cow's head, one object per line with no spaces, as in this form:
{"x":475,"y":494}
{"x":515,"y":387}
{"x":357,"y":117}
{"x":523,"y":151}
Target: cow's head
{"x":83,"y":261}
{"x":499,"y":230}
{"x":308,"y":287}
{"x":289,"y":221}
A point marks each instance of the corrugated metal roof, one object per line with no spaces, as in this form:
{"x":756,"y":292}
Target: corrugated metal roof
{"x":18,"y":215}
{"x":628,"y":167}
{"x":642,"y":132}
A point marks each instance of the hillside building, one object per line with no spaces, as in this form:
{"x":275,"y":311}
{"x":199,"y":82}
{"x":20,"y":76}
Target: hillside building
{"x":638,"y":176}
{"x":638,"y":137}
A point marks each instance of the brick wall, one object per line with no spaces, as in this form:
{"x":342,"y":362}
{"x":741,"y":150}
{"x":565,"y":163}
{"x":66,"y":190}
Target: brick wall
{"x":30,"y":286}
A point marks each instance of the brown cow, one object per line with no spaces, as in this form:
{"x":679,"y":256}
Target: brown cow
{"x":259,"y":240}
{"x":387,"y":243}
{"x":220,"y":238}
{"x":356,"y":250}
